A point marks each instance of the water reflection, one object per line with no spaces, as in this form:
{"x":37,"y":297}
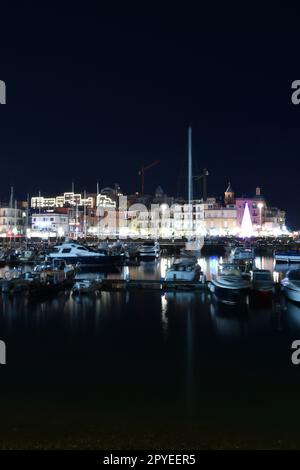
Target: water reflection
{"x":230,"y":323}
{"x":156,"y":270}
{"x":292,"y":313}
{"x":141,"y":352}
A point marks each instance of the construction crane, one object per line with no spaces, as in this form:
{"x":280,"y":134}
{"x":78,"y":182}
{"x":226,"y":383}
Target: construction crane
{"x":203,"y":177}
{"x":142,"y":173}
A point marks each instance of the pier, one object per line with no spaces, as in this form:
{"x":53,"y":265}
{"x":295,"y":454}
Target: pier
{"x":159,"y":284}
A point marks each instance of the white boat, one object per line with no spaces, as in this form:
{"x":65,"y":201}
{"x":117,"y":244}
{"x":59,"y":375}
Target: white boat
{"x":244,"y":267}
{"x":291,"y":256}
{"x":131,"y":250}
{"x":149,"y":250}
{"x":262,"y":282}
{"x":56,"y":265}
{"x":110,"y":248}
{"x":229,"y":286}
{"x":241,"y":253}
{"x":291,"y":285}
{"x":27,"y":256}
{"x":86,"y":286}
{"x":82,"y":256}
{"x":183,"y":269}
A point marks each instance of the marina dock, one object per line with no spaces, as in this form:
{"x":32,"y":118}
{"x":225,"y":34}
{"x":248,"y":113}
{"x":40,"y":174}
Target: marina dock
{"x":160,"y":284}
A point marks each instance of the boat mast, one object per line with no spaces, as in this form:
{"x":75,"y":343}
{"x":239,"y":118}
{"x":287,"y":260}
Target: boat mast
{"x":97,"y":212}
{"x":39,"y":202}
{"x":11,"y":201}
{"x":27,"y":220}
{"x":84,"y":215}
{"x":190,"y":173}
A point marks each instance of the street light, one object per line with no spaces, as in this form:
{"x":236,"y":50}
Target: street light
{"x":260,"y":206}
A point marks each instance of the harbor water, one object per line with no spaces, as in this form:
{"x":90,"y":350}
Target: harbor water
{"x":146,"y":369}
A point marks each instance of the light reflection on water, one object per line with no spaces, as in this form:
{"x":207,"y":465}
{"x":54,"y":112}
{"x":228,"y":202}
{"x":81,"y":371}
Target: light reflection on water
{"x":155,"y":270}
{"x":149,"y":353}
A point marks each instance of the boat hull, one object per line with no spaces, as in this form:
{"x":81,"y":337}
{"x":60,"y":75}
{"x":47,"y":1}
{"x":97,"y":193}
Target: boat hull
{"x":229,"y":295}
{"x":181,"y":276}
{"x":292,"y":294}
{"x":92,"y":261}
{"x":287,"y":257}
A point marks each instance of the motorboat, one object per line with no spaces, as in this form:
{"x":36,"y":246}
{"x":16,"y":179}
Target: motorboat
{"x":110,"y":248}
{"x":243,"y":266}
{"x":149,"y":250}
{"x":86,"y":286}
{"x":56,"y":264}
{"x":183,"y":269}
{"x":262,"y":282}
{"x":291,"y":285}
{"x":131,"y":251}
{"x":291,"y":256}
{"x":27,"y":256}
{"x":229,"y":286}
{"x":242,"y":253}
{"x":83,"y":256}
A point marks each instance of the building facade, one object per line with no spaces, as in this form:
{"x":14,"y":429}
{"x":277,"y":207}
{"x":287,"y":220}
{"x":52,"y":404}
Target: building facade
{"x":50,"y":224}
{"x":12,"y":222}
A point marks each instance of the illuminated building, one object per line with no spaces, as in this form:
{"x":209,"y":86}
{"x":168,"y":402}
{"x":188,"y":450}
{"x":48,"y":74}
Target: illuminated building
{"x":257,"y":215}
{"x":11,"y":222}
{"x":49,"y":224}
{"x":66,"y":200}
{"x":110,"y":214}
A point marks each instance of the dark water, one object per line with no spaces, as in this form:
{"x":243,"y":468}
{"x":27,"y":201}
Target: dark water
{"x":146,"y":370}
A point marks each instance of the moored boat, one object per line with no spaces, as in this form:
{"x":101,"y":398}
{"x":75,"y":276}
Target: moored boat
{"x":149,"y":250}
{"x":56,"y":264}
{"x":83,"y":256}
{"x":184,"y":269}
{"x":291,"y":285}
{"x":229,"y":286}
{"x":86,"y":286}
{"x":291,"y":256}
{"x":27,"y":256}
{"x":243,"y":253}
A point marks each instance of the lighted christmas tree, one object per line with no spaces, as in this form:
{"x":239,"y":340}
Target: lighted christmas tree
{"x":246,"y":227}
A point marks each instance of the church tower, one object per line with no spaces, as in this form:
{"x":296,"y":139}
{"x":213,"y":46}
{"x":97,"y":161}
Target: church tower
{"x":229,"y":196}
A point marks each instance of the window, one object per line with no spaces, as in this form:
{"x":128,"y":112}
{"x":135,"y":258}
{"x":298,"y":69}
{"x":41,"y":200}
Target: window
{"x":66,"y":250}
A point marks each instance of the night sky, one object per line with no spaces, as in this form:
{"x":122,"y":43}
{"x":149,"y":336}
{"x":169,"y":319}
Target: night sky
{"x":94,"y":93}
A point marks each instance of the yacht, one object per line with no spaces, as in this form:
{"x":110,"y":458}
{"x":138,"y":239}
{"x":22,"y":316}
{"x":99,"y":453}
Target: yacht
{"x":244,"y":267}
{"x":149,"y":250}
{"x":291,"y":285}
{"x":229,"y":286}
{"x":56,"y":264}
{"x":27,"y":256}
{"x":184,"y":269}
{"x":82,"y":256}
{"x":86,"y":286}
